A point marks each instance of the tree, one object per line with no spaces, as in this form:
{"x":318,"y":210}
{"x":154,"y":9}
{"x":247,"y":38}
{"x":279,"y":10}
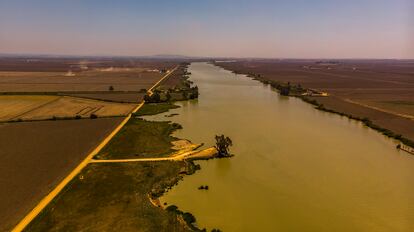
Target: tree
{"x":222,"y":145}
{"x":185,"y":95}
{"x":147,"y":98}
{"x":193,"y":93}
{"x":168,"y":96}
{"x":285,"y":90}
{"x":154,"y":98}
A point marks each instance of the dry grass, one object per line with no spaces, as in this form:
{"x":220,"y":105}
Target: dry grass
{"x":14,"y":106}
{"x":130,"y":97}
{"x":113,"y":197}
{"x":45,"y":107}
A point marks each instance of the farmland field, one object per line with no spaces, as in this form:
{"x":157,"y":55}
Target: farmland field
{"x":55,"y":64}
{"x":129,"y":96}
{"x":95,"y":80}
{"x":45,"y":107}
{"x":392,"y":122}
{"x":14,"y":106}
{"x":35,"y":156}
{"x":175,"y":80}
{"x":115,"y":196}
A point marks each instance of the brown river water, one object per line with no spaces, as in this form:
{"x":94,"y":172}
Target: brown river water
{"x":295,"y":168}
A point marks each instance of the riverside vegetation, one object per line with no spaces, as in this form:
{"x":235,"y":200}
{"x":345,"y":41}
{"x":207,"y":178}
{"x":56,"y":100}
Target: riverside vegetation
{"x":115,"y":196}
{"x":103,"y":192}
{"x":296,"y":90}
{"x":180,"y":89}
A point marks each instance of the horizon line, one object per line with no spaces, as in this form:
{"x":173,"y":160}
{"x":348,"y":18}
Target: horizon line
{"x":179,"y":56}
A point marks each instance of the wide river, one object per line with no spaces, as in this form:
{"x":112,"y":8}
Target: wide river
{"x":295,"y":168}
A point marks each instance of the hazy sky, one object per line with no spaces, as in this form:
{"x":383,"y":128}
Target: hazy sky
{"x":255,"y":28}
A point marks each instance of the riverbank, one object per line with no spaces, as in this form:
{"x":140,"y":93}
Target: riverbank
{"x":106,"y":196}
{"x":365,"y":120}
{"x":114,"y":188}
{"x":390,"y":124}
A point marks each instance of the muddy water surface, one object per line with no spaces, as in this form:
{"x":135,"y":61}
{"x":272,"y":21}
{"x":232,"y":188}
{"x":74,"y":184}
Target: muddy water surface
{"x":295,"y":168}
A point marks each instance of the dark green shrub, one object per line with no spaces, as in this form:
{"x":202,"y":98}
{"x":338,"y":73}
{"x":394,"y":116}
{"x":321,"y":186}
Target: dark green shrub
{"x":171,"y":208}
{"x":176,"y":126}
{"x":189,"y":218}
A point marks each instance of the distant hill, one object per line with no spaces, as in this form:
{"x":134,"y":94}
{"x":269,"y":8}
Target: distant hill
{"x":172,"y":56}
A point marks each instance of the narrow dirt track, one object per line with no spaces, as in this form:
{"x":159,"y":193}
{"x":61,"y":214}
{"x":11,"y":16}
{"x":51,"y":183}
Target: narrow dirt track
{"x":179,"y":156}
{"x":379,"y":109}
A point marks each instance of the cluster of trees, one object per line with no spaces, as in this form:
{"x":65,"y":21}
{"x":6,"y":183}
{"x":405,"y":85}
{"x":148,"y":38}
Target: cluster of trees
{"x":288,"y":89}
{"x":187,"y":217}
{"x":284,"y":90}
{"x":192,"y":93}
{"x":223,"y":144}
{"x":165,"y":96}
{"x":154,"y":98}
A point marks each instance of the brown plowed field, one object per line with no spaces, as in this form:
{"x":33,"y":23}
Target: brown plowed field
{"x":56,"y":64}
{"x":110,"y":79}
{"x":127,"y":80}
{"x":35,"y":156}
{"x":174,"y":80}
{"x":392,"y":122}
{"x":386,"y":85}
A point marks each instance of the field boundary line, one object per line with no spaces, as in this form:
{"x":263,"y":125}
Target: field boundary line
{"x":407,"y":116}
{"x":49,"y":197}
{"x":35,"y":108}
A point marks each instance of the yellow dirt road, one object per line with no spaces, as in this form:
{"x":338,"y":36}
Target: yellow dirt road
{"x":48,"y":198}
{"x":206,"y":153}
{"x":162,"y":79}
